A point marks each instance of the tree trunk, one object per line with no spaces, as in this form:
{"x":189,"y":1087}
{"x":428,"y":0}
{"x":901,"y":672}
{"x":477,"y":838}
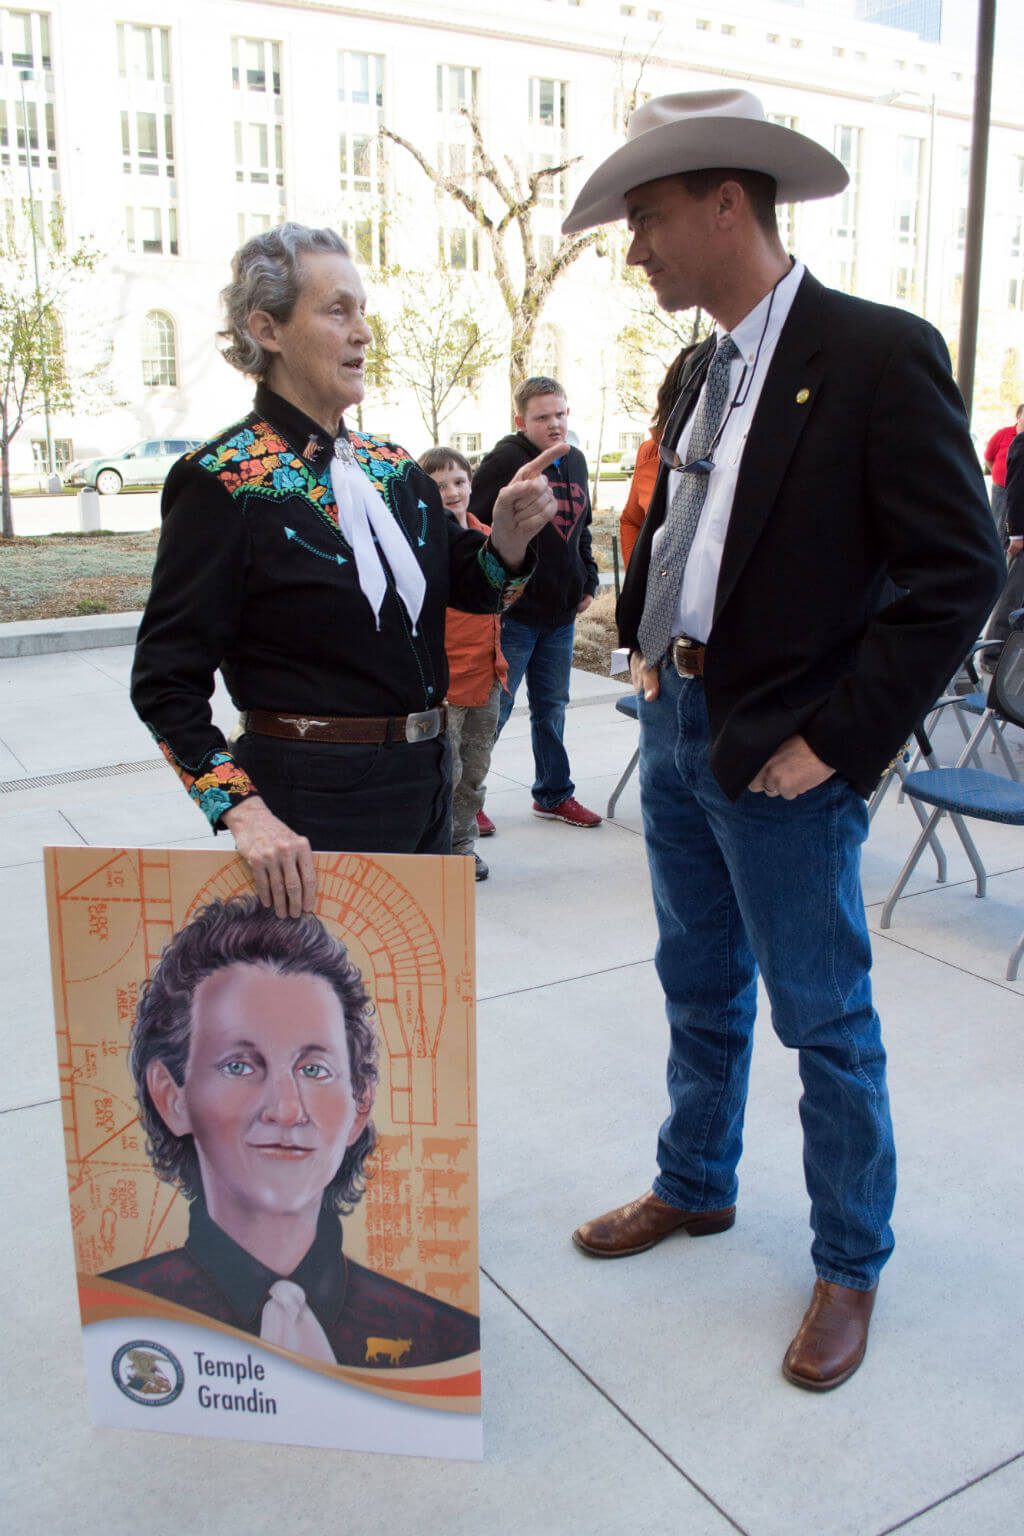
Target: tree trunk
{"x":6,"y":520}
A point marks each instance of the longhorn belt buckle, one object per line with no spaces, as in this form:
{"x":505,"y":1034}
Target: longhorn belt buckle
{"x":423,"y":726}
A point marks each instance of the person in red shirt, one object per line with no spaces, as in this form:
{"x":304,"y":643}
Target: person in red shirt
{"x":995,"y":459}
{"x":477,"y":671}
{"x":645,"y":471}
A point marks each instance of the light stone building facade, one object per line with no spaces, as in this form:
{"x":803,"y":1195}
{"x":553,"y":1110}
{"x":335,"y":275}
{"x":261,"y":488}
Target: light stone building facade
{"x":171,"y":132}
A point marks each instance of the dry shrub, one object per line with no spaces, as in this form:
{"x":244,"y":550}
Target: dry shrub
{"x":596,"y":635}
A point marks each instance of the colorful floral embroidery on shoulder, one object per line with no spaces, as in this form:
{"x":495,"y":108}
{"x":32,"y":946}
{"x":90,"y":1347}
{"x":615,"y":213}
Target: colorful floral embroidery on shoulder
{"x":257,"y":459}
{"x":384,"y":462}
{"x":216,"y":785}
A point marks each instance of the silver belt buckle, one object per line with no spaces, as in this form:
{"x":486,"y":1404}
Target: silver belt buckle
{"x":423,"y":726}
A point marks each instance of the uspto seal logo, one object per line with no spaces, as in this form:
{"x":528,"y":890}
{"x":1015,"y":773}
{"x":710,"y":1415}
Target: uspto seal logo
{"x":147,"y":1373}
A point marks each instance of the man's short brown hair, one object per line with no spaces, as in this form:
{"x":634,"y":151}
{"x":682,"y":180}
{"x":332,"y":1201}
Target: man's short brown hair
{"x":529,"y":389}
{"x":759,"y":188}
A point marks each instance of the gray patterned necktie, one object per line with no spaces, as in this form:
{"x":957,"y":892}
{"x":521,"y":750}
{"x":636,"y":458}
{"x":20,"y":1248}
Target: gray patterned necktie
{"x":668,"y":561}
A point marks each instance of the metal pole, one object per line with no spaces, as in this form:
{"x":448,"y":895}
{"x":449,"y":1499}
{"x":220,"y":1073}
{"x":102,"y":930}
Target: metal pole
{"x":26,"y":74}
{"x":976,"y":202}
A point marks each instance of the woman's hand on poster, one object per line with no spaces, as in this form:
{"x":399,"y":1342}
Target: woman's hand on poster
{"x":280,"y":862}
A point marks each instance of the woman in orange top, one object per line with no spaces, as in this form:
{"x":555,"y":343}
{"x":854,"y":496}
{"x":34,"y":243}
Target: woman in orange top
{"x":477,"y":671}
{"x":646,"y":470}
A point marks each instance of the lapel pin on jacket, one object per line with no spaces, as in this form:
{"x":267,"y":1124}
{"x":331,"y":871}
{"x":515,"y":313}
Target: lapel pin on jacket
{"x":802,"y":396}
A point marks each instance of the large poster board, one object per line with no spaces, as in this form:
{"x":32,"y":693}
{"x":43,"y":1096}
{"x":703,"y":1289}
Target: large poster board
{"x":201,"y":1037}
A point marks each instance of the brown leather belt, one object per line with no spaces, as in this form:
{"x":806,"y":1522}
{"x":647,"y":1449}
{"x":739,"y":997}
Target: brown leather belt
{"x":687,"y":656}
{"x":423,"y":726}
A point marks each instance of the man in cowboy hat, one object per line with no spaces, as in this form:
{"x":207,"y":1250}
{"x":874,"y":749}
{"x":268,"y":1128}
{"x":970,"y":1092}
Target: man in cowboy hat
{"x":817,"y":557}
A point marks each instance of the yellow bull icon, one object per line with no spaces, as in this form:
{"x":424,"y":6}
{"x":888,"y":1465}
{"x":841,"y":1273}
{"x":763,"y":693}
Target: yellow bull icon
{"x":391,"y":1350}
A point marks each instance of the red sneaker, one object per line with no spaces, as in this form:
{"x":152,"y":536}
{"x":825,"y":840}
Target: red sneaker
{"x":571,"y":812}
{"x":484,"y":825}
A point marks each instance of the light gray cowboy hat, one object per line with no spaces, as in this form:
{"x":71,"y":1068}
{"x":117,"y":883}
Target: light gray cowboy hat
{"x":698,"y":130}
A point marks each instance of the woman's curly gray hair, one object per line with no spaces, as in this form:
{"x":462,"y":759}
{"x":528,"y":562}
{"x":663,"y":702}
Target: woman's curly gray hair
{"x":266,"y":274}
{"x":242,"y":932}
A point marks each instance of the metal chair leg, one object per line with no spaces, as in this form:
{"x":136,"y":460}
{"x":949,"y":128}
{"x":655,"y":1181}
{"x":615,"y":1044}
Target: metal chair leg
{"x":620,"y":786}
{"x":980,"y":878}
{"x":1013,"y":964}
{"x":909,"y":867}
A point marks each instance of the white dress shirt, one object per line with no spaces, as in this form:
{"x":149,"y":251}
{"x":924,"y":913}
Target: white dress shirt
{"x":696,"y":605}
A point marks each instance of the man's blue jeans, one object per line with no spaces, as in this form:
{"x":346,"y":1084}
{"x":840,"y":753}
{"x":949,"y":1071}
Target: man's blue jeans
{"x":544,"y":656}
{"x":772,"y":884}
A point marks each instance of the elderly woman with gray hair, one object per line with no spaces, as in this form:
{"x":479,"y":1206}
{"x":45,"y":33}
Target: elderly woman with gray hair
{"x":313,"y":567}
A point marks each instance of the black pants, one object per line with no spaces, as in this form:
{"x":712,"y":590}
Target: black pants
{"x":392,"y":798}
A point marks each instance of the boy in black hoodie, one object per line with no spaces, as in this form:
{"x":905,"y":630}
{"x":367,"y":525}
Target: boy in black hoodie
{"x":537,"y":640}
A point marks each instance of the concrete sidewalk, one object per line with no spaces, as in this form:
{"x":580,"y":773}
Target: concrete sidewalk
{"x":636,"y":1397}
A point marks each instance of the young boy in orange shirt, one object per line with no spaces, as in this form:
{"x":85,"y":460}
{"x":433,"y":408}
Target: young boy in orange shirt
{"x":477,"y":672}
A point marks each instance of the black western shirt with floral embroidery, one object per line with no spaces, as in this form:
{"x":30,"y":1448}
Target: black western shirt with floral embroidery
{"x":253,"y":577}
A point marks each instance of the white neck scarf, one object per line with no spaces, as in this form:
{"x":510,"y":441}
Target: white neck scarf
{"x":288,"y":1320}
{"x":363,"y":515}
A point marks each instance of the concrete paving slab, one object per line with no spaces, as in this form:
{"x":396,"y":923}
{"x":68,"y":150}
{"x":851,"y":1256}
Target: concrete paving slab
{"x":993,"y":1504}
{"x":30,"y":1053}
{"x":560,"y":1459}
{"x":23,"y":834}
{"x":689,"y":1337}
{"x":29,"y":680}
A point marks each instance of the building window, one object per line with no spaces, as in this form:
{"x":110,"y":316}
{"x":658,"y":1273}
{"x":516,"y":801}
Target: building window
{"x":702,"y":25}
{"x":151,"y":231}
{"x":25,"y":39}
{"x":63,"y":453}
{"x":147,"y":143}
{"x":366,"y":239}
{"x":361,"y":79}
{"x":848,"y":150}
{"x":143,"y":53}
{"x":551,"y":192}
{"x":259,"y":153}
{"x":249,"y":224}
{"x":159,"y":351}
{"x":467,"y":442}
{"x":909,"y":159}
{"x":457,"y":86}
{"x":728,"y":30}
{"x":546,"y":352}
{"x":629,"y":442}
{"x":21,"y":125}
{"x":360,"y":163}
{"x":549,"y":103}
{"x":256,"y":65}
{"x":960,"y":211}
{"x":459,"y":249}
{"x":773,"y":37}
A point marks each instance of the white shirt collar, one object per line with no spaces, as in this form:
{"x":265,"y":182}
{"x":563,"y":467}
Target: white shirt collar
{"x":747,"y":333}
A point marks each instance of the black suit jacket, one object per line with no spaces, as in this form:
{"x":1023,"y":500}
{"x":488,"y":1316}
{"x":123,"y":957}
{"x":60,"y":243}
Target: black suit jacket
{"x":861,"y":557}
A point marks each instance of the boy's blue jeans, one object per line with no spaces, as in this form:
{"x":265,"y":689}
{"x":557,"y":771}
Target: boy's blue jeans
{"x":544,"y":657}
